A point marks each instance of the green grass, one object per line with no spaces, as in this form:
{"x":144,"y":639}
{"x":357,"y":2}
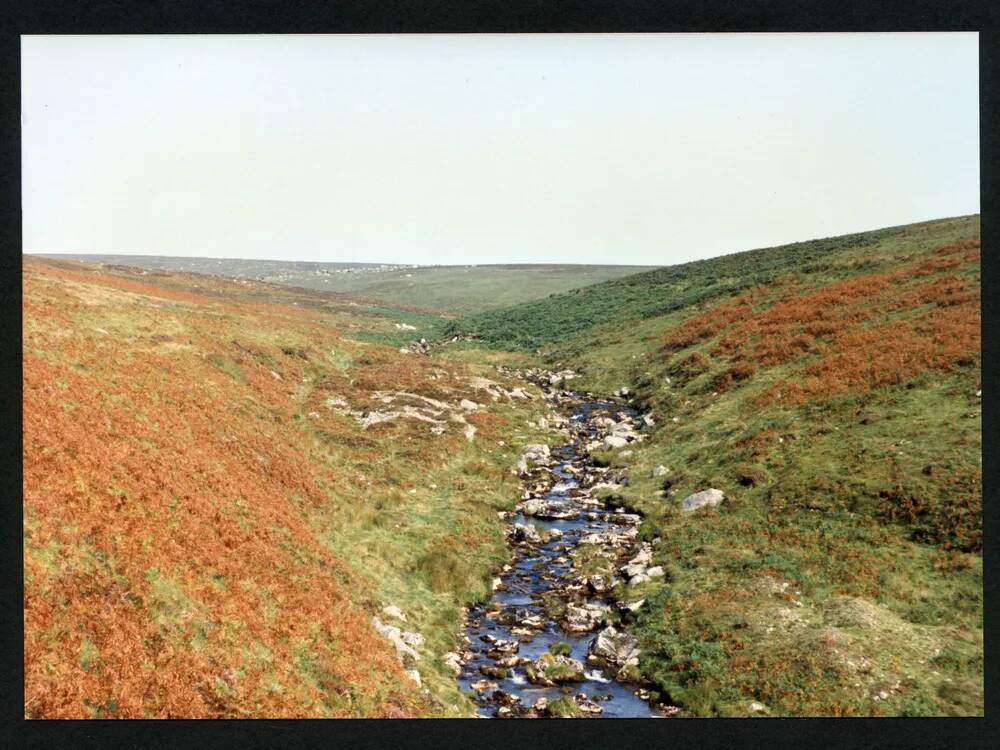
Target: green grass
{"x":382,"y":329}
{"x":463,"y":289}
{"x":564,"y":707}
{"x":843,"y":573}
{"x":566,"y":316}
{"x":427,"y":538}
{"x":844,"y":565}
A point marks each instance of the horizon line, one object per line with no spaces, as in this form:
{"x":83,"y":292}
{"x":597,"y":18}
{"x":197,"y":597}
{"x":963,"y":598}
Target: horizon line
{"x":482,"y":265}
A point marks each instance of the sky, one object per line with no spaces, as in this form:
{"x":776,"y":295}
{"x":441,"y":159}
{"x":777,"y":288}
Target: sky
{"x":646,"y":149}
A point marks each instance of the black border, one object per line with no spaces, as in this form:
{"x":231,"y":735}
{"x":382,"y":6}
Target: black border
{"x":468,"y":16}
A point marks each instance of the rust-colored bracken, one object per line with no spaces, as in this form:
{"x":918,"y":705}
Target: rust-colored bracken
{"x":170,"y":570}
{"x":852,"y":335}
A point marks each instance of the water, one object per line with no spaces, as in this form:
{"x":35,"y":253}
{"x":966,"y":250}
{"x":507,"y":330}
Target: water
{"x":534,"y":573}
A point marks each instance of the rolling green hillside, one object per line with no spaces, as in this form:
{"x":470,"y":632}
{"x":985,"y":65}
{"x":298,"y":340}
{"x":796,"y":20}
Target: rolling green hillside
{"x":560,"y":317}
{"x":831,"y":390}
{"x":464,"y":289}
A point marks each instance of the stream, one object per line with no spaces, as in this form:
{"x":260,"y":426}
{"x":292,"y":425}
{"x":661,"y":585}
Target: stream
{"x":541,"y":600}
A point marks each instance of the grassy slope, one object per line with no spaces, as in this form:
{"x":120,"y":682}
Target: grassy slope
{"x":829,"y":389}
{"x":565,"y":317}
{"x":843,"y":565}
{"x":837,"y":409}
{"x":203,"y":538}
{"x":465,"y":289}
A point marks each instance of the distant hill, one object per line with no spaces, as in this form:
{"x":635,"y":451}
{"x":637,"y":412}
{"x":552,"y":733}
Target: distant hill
{"x":562,"y":316}
{"x":444,"y":289}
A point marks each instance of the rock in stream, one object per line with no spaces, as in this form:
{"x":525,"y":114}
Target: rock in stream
{"x":544,"y":644}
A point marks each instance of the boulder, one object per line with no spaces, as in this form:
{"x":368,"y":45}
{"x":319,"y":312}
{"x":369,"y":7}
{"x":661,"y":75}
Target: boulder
{"x":643,"y":557}
{"x":533,"y":455}
{"x":504,"y":698}
{"x":483,"y":685}
{"x":586,"y":705}
{"x":402,"y":641}
{"x":453,"y":661}
{"x":709,"y":498}
{"x":622,"y":428}
{"x":614,"y":441}
{"x":614,"y":647}
{"x":581,"y":619}
{"x":411,"y":639}
{"x":501,"y":648}
{"x":549,"y":669}
{"x":532,"y":506}
{"x":555,"y":511}
{"x":522,"y":533}
{"x":551,"y":534}
{"x":536,"y":450}
{"x":633,"y":569}
{"x":393,"y":611}
{"x":492,"y":670}
{"x":532,"y":621}
{"x":613,"y":487}
{"x":599,"y":584}
{"x":611,"y":537}
{"x":509,"y":662}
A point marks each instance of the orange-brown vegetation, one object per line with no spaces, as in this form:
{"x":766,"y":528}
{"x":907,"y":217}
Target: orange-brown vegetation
{"x":735,"y":374}
{"x":949,"y":256}
{"x":170,"y":569}
{"x":856,"y":334}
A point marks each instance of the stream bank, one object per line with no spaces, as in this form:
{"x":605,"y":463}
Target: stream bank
{"x":553,"y":639}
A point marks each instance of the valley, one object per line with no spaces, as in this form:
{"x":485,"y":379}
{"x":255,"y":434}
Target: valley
{"x":744,"y":486}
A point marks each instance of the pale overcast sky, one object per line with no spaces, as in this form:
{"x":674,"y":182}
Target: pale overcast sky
{"x":644,"y":149}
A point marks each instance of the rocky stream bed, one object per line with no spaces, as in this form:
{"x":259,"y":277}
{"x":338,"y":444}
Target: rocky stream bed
{"x":553,"y":640}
